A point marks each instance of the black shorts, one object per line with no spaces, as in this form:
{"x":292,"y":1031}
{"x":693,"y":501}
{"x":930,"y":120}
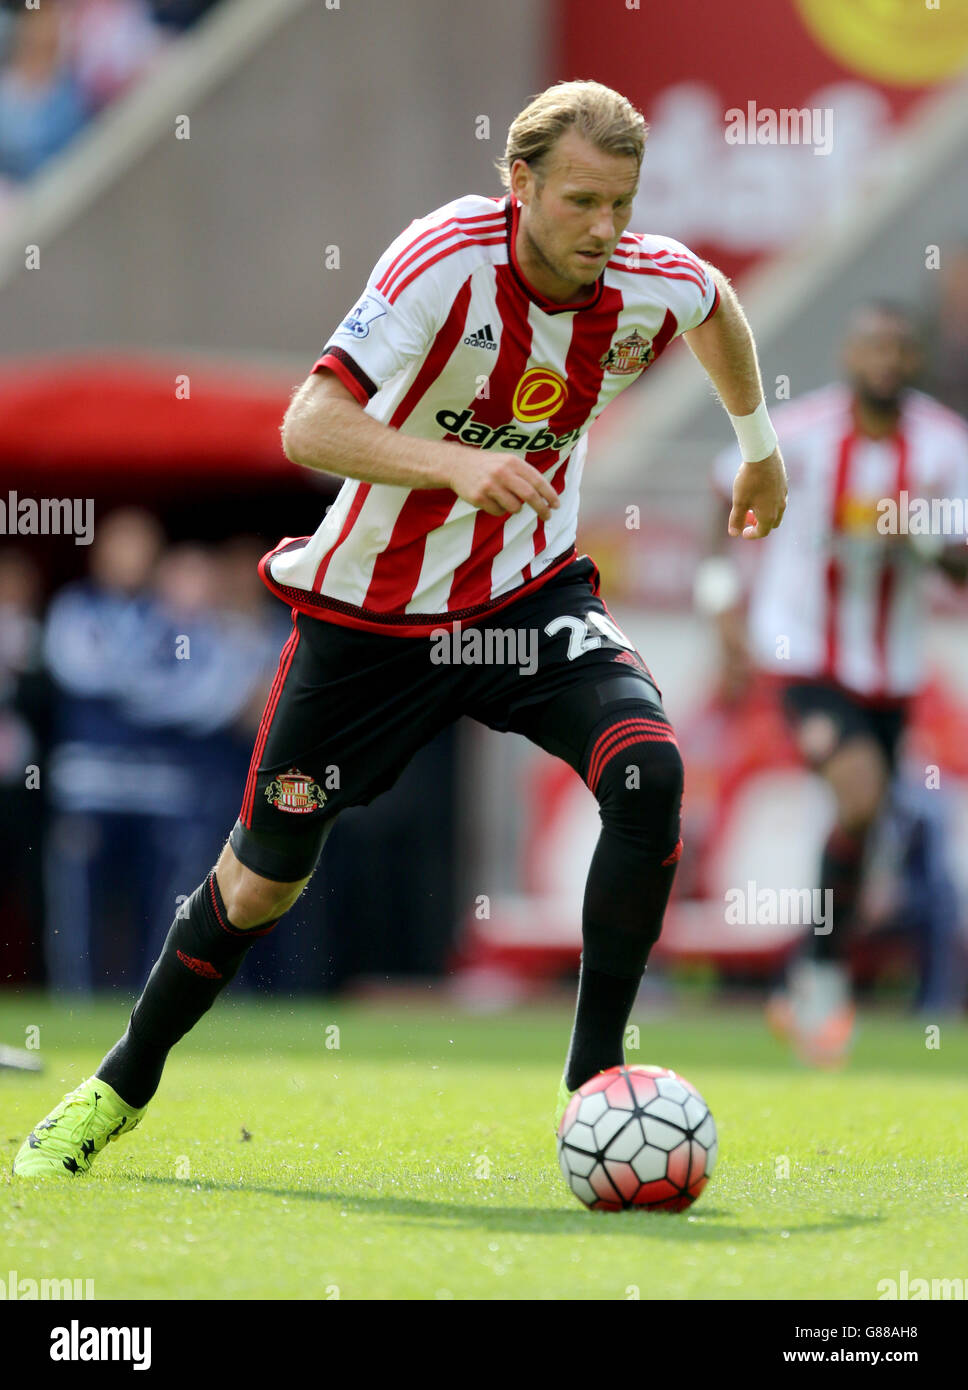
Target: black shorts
{"x":850,"y":716}
{"x":349,"y":708}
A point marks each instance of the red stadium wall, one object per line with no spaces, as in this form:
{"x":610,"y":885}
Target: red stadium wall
{"x":156,"y":420}
{"x":120,"y":429}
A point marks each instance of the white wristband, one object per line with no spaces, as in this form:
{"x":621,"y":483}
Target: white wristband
{"x":757,"y":437}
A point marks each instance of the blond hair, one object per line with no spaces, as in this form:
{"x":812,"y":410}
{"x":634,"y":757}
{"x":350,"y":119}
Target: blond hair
{"x":603,"y":116}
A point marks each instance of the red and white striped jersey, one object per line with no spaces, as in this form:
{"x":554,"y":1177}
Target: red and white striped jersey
{"x":833,"y":598}
{"x":449,"y":342}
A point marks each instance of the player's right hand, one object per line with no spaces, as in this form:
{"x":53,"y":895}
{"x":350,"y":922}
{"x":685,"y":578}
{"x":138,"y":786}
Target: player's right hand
{"x":500,"y":483}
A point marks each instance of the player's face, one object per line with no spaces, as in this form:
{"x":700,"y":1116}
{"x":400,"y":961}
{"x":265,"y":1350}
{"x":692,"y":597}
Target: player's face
{"x":882,"y":359}
{"x":572,"y":218}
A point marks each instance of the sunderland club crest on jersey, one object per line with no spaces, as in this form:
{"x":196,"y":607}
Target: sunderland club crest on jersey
{"x":628,"y":355}
{"x":296,"y":792}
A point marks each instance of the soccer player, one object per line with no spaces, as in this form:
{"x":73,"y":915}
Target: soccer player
{"x":845,"y":589}
{"x":455,"y":398}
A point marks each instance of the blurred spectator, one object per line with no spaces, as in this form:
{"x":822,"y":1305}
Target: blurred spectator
{"x":41,"y":104}
{"x":179,"y":14}
{"x":64,"y":61}
{"x":23,"y":734}
{"x":162,"y":661}
{"x":107,"y":784}
{"x":202,"y":688}
{"x":110,"y":43}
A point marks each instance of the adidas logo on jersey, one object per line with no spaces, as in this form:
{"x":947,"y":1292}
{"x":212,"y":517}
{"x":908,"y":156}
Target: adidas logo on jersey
{"x":483,"y":338}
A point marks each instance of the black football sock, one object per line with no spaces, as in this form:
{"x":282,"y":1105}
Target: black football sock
{"x":604,"y":1005}
{"x":201,"y":954}
{"x":625,"y":900}
{"x":629,"y":883}
{"x":841,"y":871}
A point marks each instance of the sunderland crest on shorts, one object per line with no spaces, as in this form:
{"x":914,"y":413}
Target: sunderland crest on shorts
{"x":296,"y":792}
{"x":628,"y":355}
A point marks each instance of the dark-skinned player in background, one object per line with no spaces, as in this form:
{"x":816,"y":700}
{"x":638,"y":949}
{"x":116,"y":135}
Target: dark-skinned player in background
{"x":835,"y":618}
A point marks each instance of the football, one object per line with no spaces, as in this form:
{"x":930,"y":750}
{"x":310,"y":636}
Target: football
{"x":638,"y":1137}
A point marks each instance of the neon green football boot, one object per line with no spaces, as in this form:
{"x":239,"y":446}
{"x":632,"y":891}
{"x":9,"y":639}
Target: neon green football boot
{"x":561,"y":1104}
{"x":74,"y":1133}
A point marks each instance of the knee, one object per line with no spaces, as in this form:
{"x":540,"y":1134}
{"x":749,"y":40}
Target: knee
{"x":639,"y":785}
{"x":250,"y":900}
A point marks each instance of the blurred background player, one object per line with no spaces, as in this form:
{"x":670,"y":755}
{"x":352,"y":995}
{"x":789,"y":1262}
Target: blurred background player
{"x":108,"y":784}
{"x":24,"y":733}
{"x":835,"y":616}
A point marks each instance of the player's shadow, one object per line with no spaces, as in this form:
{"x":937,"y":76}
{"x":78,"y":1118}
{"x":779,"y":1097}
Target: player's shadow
{"x":536,"y":1220}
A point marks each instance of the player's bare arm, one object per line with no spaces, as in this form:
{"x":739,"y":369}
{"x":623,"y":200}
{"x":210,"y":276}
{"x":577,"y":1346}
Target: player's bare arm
{"x":326,"y":428}
{"x":724,"y":347}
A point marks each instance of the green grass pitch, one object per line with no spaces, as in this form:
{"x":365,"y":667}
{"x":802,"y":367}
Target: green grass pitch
{"x":416,"y":1160}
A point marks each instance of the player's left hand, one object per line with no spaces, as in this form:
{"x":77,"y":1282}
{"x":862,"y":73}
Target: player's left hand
{"x":759,"y":489}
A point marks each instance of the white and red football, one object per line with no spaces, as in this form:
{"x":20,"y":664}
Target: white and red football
{"x":638,"y":1137}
